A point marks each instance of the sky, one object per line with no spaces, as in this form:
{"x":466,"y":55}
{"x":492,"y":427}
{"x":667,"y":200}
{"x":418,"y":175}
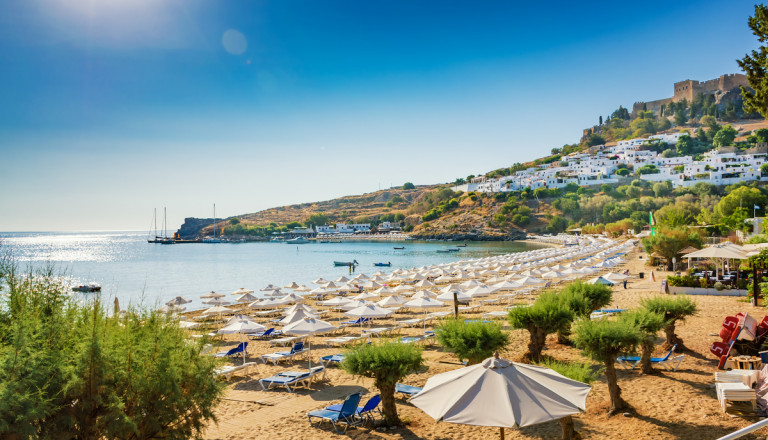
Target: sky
{"x":112,"y":108}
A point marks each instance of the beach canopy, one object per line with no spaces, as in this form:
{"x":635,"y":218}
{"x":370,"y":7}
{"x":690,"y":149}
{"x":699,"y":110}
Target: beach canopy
{"x":216,"y":302}
{"x":242,"y":291}
{"x":267,"y":303}
{"x":292,"y":298}
{"x":391,"y":301}
{"x":216,"y":309}
{"x":448,"y":296}
{"x":423,"y":303}
{"x":293,"y":286}
{"x":479,"y":291}
{"x":369,"y":311}
{"x":601,"y":280}
{"x":246,"y":297}
{"x":615,"y":276}
{"x":270,"y":287}
{"x":423,"y":294}
{"x":299,"y":314}
{"x":719,"y":251}
{"x":502,"y":394}
{"x":308,"y":326}
{"x":333,"y":302}
{"x":213,"y":295}
{"x":241,"y":326}
{"x":299,"y":306}
{"x":178,"y":301}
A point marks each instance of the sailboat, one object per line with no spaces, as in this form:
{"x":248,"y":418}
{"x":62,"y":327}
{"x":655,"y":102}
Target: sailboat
{"x":164,"y":239}
{"x":213,"y":239}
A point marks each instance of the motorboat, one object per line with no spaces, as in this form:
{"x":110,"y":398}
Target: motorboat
{"x":87,"y":288}
{"x":297,"y":240}
{"x":387,"y":264}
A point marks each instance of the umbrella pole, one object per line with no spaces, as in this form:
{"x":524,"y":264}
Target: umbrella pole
{"x":501,"y":433}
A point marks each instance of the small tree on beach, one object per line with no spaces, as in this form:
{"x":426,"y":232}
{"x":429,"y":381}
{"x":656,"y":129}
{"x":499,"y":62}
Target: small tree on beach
{"x":650,"y":323}
{"x":386,"y":363}
{"x":473,"y":341}
{"x":583,"y":299}
{"x":546,"y":316}
{"x":673,"y":309}
{"x":604,"y":340}
{"x":575,"y":371}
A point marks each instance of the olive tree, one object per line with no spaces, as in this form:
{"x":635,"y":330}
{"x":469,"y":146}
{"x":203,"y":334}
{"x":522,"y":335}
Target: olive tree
{"x":673,"y":309}
{"x":546,"y":316}
{"x":650,"y":323}
{"x":583,"y":299}
{"x":473,"y":341}
{"x":386,"y":363}
{"x":603,"y":340}
{"x":575,"y":371}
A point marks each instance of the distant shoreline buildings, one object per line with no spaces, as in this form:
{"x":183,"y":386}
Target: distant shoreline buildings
{"x":722,"y":166}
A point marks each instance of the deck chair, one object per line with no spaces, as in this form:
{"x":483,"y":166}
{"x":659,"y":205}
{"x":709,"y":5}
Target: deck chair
{"x":630,"y":362}
{"x":345,"y":415}
{"x":241,"y":347}
{"x":291,"y":378}
{"x":229,"y":370}
{"x":265,"y":334}
{"x":297,"y":349}
{"x":407,"y":390}
{"x":332,"y":359}
{"x":364,"y":412}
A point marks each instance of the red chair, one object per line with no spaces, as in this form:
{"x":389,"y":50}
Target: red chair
{"x":720,"y":348}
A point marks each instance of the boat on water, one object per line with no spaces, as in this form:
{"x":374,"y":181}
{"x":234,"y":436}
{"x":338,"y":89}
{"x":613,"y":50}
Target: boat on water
{"x":442,"y":251}
{"x":345,"y":263}
{"x":453,"y":250}
{"x":399,"y":248}
{"x":297,"y":240}
{"x":87,"y":288}
{"x":461,"y":245}
{"x":387,"y":264}
{"x":213,"y":239}
{"x":161,"y":239}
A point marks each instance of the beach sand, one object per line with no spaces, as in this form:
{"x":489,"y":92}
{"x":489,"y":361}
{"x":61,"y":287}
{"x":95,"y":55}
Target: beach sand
{"x":670,"y":405}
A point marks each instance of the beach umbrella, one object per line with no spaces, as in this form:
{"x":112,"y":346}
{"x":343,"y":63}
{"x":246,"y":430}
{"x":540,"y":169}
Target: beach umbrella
{"x":384,"y":290}
{"x":335,"y":302}
{"x":600,"y":280}
{"x":293,"y":286}
{"x":216,"y":302}
{"x":424,"y":284}
{"x":393,"y":300}
{"x":295,"y":316}
{"x":501,"y":394}
{"x":307,"y":327}
{"x":353,"y":304}
{"x":505,"y":286}
{"x":479,"y":291}
{"x":273,"y":293}
{"x":365,"y":295}
{"x":266,"y":303}
{"x":241,"y":291}
{"x":368,"y":311}
{"x":403,"y":288}
{"x":171,"y":309}
{"x":615,"y":276}
{"x":423,"y":294}
{"x":298,"y":306}
{"x":417,"y":277}
{"x":188,"y":324}
{"x":213,"y":295}
{"x":330,"y":285}
{"x":371,"y":285}
{"x":424,"y":303}
{"x":241,"y":326}
{"x":448,"y":296}
{"x":302,"y":288}
{"x":451,"y":288}
{"x":342,"y":279}
{"x":444,"y":279}
{"x":530,"y":281}
{"x":360,"y":276}
{"x":553,"y":275}
{"x":292,"y":298}
{"x":320,"y":280}
{"x":469,"y":284}
{"x":177,"y":301}
{"x":246,"y":297}
{"x":216,"y":309}
{"x":270,"y":287}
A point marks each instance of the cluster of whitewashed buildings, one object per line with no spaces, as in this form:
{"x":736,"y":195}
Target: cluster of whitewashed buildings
{"x":358,"y":228}
{"x":723,"y":166}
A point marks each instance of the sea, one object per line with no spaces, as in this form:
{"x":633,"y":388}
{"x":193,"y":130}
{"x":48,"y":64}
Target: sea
{"x":148,"y":275}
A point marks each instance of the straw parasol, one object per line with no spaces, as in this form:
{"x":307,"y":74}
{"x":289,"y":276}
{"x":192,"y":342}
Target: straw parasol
{"x":241,"y":291}
{"x":213,"y":295}
{"x":178,"y":301}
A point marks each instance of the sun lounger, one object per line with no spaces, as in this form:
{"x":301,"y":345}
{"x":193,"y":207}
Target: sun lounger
{"x":364,"y":412}
{"x":630,"y":362}
{"x":735,"y":392}
{"x":332,"y":359}
{"x":297,"y":349}
{"x":284,"y":341}
{"x":344,"y":340}
{"x":747,"y":377}
{"x":407,"y":390}
{"x":229,"y":370}
{"x":412,"y":322}
{"x":378,"y":331}
{"x":268,"y":333}
{"x":346,"y":415}
{"x":262,"y":313}
{"x":241,"y":347}
{"x":495,"y":314}
{"x":442,"y":314}
{"x":356,"y":321}
{"x":291,"y":378}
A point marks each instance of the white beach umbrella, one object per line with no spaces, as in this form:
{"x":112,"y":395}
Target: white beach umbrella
{"x":469,"y":284}
{"x":371,"y":285}
{"x":342,"y":279}
{"x":506,"y":286}
{"x":267,"y":303}
{"x":331,"y":285}
{"x":241,"y":291}
{"x":417,"y":277}
{"x":448,"y":296}
{"x":384,"y":290}
{"x":216,"y":310}
{"x":501,"y":394}
{"x":273,"y":293}
{"x":601,"y":280}
{"x":216,"y":302}
{"x":171,"y":309}
{"x":393,"y":300}
{"x":614,"y":276}
{"x":403,"y":288}
{"x":246,"y":297}
{"x":424,"y":284}
{"x":241,"y":326}
{"x":270,"y":287}
{"x":365,"y":295}
{"x":308,"y":327}
{"x":479,"y":291}
{"x":444,"y":279}
{"x":423,"y":303}
{"x":295,"y":316}
{"x":334,"y":302}
{"x":320,"y":280}
{"x":293,"y":286}
{"x":292,"y":298}
{"x":423,"y":294}
{"x":360,"y":276}
{"x":530,"y":281}
{"x":299,"y":306}
{"x":178,"y":301}
{"x":353,"y":304}
{"x":553,"y":275}
{"x":302,"y":288}
{"x":451,"y":288}
{"x":212,"y":295}
{"x":368,"y":311}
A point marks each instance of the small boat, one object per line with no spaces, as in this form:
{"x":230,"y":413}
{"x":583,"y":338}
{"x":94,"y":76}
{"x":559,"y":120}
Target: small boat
{"x":387,"y":264}
{"x":211,"y":240}
{"x":461,"y":245}
{"x":297,"y":240}
{"x":453,"y":250}
{"x":87,"y":288}
{"x":346,"y":263}
{"x":443,"y":251}
{"x":399,"y":248}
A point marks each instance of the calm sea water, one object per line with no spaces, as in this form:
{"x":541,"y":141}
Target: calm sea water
{"x":137,"y":272}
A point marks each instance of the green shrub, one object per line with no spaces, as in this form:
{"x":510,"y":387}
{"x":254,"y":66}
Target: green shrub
{"x":546,"y":316}
{"x":673,"y":309}
{"x":473,"y":341}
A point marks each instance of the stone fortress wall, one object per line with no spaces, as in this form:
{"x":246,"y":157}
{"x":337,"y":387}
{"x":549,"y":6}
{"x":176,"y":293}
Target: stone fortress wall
{"x":724,"y":88}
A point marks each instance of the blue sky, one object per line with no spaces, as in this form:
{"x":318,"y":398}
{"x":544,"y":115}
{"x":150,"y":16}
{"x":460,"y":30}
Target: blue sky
{"x":111,"y":108}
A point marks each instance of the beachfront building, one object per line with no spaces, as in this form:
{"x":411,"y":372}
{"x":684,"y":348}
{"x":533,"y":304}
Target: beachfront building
{"x":724,"y":166}
{"x":342,"y":228}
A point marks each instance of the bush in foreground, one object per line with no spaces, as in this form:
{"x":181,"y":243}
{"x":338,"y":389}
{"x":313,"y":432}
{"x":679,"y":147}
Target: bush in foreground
{"x":546,"y":316}
{"x":67,"y":370}
{"x":673,"y":309}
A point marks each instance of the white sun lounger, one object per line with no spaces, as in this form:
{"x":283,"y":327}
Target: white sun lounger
{"x":735,"y":392}
{"x":344,"y":340}
{"x":229,"y":370}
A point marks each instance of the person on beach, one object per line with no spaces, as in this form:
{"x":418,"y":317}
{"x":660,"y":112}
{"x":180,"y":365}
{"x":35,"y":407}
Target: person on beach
{"x":653,"y":276}
{"x":625,"y":284}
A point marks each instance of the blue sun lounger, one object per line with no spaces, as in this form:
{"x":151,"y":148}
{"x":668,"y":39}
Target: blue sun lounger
{"x":297,"y":349}
{"x":345,"y":415}
{"x":408,"y":390}
{"x":630,"y":362}
{"x":332,"y":359}
{"x":291,"y":378}
{"x":241,"y":347}
{"x":365,"y":411}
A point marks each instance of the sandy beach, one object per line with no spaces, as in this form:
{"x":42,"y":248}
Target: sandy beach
{"x":670,"y":405}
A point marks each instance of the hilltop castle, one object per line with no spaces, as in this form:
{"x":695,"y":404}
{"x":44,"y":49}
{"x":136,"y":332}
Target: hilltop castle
{"x":725,"y":89}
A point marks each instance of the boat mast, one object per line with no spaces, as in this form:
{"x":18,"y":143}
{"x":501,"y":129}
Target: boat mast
{"x":165,"y":212}
{"x":154,"y":217}
{"x":214,"y":220}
